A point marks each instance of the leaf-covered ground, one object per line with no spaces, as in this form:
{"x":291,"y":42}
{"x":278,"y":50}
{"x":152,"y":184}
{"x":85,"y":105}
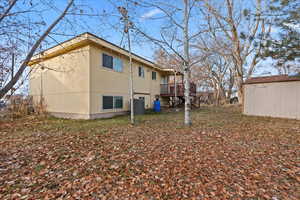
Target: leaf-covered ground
{"x":224,"y":155}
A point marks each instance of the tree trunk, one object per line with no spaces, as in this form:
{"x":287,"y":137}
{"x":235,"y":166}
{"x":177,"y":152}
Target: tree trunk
{"x":230,"y":86}
{"x":187,"y":72}
{"x":240,"y":90}
{"x":187,"y":104}
{"x":218,"y":97}
{"x":130,"y":79}
{"x":229,"y":93}
{"x":19,"y":73}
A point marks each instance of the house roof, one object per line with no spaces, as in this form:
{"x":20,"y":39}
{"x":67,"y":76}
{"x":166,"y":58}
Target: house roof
{"x":271,"y":79}
{"x":86,"y":39}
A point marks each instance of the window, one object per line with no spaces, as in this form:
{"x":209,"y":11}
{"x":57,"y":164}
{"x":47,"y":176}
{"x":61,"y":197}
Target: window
{"x":108,"y":102}
{"x":111,"y":102}
{"x":141,"y":72}
{"x":118,"y":64}
{"x":153,"y":75}
{"x":112,"y":63}
{"x":118,"y":102}
{"x":107,"y":61}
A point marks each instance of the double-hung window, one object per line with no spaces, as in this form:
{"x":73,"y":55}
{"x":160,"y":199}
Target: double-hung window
{"x":141,"y":72}
{"x":153,"y":75}
{"x":112,"y":62}
{"x":112,"y":102}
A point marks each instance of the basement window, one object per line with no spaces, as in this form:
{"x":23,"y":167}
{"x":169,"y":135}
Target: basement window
{"x":112,"y":102}
{"x":108,"y":102}
{"x":118,"y":102}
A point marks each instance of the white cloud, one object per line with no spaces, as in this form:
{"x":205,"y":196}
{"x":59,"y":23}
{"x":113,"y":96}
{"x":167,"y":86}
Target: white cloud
{"x":151,"y":13}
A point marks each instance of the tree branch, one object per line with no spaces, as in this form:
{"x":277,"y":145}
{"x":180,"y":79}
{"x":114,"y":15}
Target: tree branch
{"x":17,"y":76}
{"x":2,"y":16}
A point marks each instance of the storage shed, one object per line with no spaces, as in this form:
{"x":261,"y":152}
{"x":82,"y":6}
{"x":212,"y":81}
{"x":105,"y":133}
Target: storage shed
{"x":273,"y":96}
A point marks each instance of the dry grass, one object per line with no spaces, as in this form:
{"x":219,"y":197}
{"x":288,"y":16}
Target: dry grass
{"x":224,"y":155}
{"x":24,"y":107}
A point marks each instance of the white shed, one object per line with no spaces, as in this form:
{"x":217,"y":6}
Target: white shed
{"x":273,"y":96}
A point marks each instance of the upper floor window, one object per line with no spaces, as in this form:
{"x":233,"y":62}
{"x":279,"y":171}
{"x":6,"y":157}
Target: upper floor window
{"x":118,"y":64}
{"x":141,"y":72}
{"x":153,"y":75}
{"x":107,"y":61}
{"x":112,"y":62}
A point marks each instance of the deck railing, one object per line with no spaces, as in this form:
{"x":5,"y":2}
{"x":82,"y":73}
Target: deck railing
{"x":169,"y":89}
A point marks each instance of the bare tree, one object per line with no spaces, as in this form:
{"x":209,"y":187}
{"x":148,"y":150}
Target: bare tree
{"x":167,"y":60}
{"x":287,"y":68}
{"x":216,"y":72}
{"x":244,"y":31}
{"x":10,"y":22}
{"x":174,"y":38}
{"x":7,"y":8}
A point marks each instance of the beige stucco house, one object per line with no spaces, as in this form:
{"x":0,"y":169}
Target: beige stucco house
{"x":273,"y":96}
{"x":87,"y":77}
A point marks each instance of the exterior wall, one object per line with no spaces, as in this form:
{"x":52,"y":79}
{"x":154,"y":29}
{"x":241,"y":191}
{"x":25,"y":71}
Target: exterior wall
{"x":73,"y":80}
{"x":278,"y":99}
{"x":63,"y":83}
{"x":105,"y":81}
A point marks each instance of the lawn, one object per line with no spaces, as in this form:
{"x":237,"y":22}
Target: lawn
{"x":224,"y":155}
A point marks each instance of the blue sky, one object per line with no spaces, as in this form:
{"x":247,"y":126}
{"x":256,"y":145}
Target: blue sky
{"x":109,"y":26}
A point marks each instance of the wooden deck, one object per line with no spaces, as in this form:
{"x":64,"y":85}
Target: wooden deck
{"x":168,"y":90}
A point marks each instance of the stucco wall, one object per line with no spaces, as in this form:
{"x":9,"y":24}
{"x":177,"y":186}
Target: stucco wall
{"x":72,"y":84}
{"x":108,"y":82}
{"x":64,"y":82}
{"x":278,"y":99}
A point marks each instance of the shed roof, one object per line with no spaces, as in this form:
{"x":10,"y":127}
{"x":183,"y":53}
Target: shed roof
{"x":271,"y":79}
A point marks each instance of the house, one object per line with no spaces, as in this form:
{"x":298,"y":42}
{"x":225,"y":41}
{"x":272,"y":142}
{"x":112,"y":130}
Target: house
{"x":274,"y":96}
{"x":87,"y":77}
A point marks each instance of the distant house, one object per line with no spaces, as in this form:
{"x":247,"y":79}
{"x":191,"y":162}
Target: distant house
{"x":87,"y":77}
{"x":274,"y":96}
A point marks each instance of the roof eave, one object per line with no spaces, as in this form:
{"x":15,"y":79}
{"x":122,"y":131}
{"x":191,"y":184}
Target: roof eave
{"x":83,"y":40}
